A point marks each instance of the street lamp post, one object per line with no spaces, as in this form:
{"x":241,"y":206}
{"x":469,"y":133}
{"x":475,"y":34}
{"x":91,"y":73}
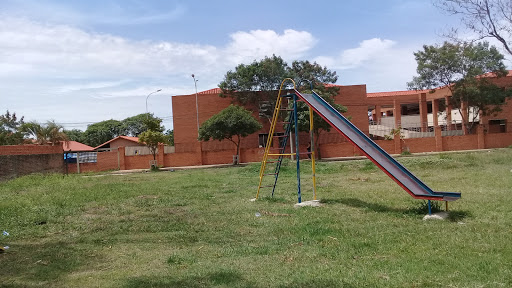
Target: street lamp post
{"x":197,"y":106}
{"x":148,"y":98}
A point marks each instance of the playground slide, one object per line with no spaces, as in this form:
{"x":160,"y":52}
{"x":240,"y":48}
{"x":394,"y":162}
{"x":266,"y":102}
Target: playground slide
{"x":374,"y":152}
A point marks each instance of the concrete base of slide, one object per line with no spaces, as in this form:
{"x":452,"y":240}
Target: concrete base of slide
{"x":312,"y":203}
{"x":436,"y":216}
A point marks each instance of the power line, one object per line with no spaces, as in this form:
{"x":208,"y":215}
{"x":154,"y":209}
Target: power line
{"x":73,"y":125}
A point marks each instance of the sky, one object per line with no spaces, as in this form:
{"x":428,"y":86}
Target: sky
{"x":80,"y":62}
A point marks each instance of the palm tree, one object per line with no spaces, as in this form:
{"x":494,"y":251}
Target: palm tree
{"x":50,"y":133}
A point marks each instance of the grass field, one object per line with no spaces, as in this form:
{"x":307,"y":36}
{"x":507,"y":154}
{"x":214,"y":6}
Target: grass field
{"x":197,"y":228}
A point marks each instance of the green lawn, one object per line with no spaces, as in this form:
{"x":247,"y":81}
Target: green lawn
{"x":197,"y":228}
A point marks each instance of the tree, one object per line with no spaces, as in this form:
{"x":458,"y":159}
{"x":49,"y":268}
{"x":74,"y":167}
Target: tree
{"x":101,"y":132}
{"x":309,"y":75}
{"x":486,"y":18}
{"x":10,"y":133}
{"x":135,"y":125}
{"x":152,"y":139}
{"x":228,"y":123}
{"x":170,"y":135}
{"x":461,"y":68}
{"x":153,"y":124}
{"x":49,"y":133}
{"x":75,"y":135}
{"x":256,"y":83}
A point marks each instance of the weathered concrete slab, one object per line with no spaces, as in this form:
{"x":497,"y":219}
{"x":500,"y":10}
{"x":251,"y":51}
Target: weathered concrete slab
{"x":312,"y":203}
{"x":436,"y":216}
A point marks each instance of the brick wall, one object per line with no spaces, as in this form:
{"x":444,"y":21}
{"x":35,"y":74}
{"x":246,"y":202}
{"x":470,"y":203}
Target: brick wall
{"x":185,"y":123}
{"x":19,"y":160}
{"x":105,"y":161}
{"x":467,"y":142}
{"x":498,"y":140}
{"x":182,"y":159}
{"x":138,"y":162}
{"x":109,"y":160}
{"x":416,"y":145}
{"x":30,"y":149}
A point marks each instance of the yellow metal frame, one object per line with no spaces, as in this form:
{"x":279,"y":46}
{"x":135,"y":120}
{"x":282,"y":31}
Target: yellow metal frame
{"x":311,"y":128}
{"x":271,"y":136}
{"x":271,"y":133}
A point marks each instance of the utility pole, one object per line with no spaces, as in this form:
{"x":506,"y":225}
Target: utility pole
{"x":197,"y":106}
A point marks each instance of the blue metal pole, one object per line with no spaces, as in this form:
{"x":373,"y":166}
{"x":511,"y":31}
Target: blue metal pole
{"x":295,"y":114}
{"x":429,"y":208}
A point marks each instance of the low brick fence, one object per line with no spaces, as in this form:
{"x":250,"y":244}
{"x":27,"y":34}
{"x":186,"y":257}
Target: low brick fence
{"x":21,"y":160}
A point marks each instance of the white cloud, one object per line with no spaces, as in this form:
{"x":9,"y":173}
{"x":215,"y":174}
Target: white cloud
{"x":256,"y":44}
{"x":367,"y":51}
{"x":69,"y":69}
{"x":90,"y":85}
{"x":31,"y":49}
{"x":383,"y":64}
{"x":63,"y":51}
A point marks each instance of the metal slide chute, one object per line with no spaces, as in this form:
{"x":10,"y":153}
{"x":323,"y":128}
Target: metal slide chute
{"x":410,"y":183}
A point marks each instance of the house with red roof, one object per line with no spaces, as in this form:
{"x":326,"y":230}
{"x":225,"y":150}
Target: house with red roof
{"x":119,"y":141}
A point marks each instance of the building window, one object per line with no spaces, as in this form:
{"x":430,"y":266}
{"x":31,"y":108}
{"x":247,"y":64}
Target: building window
{"x":262,"y":140}
{"x":498,"y":126}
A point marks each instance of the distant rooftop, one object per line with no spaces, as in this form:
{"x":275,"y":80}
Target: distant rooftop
{"x":75,"y":146}
{"x":396,"y":93}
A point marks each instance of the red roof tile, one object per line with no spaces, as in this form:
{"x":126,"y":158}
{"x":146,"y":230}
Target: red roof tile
{"x":211,"y":91}
{"x":75,"y":146}
{"x":396,"y":93}
{"x":491,"y":74}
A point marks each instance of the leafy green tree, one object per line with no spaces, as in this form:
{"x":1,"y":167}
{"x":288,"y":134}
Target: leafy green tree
{"x":135,"y":125}
{"x":460,"y":67}
{"x":152,"y":139}
{"x":10,"y":133}
{"x":49,"y":133}
{"x":256,"y":83}
{"x":484,"y":18}
{"x":307,"y":75}
{"x":101,"y":132}
{"x":75,"y":135}
{"x":232,"y":123}
{"x":154,"y":124}
{"x":153,"y":134}
{"x":170,"y":135}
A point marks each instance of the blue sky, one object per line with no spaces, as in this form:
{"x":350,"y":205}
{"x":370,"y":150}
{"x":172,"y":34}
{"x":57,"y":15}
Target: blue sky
{"x":79,"y":62}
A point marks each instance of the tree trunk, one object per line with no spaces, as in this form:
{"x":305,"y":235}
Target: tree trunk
{"x":237,"y":151}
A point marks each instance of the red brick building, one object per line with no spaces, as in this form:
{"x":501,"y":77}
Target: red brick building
{"x":413,"y":111}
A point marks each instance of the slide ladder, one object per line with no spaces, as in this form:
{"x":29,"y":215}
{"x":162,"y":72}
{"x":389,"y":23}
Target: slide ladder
{"x":270,"y":165}
{"x":270,"y":154}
